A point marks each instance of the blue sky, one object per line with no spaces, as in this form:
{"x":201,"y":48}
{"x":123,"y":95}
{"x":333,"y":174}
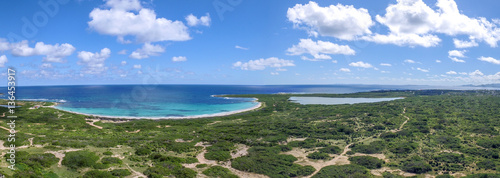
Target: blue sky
{"x":429,"y":42}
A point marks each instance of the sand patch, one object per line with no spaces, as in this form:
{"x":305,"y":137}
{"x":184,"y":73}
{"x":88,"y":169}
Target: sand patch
{"x":60,"y":154}
{"x":92,"y":121}
{"x":241,"y":150}
{"x":137,"y":131}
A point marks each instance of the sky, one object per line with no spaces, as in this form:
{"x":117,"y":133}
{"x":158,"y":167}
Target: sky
{"x":250,"y":42}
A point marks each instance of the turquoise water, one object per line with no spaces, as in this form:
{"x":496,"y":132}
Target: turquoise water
{"x":336,"y":101}
{"x":170,"y":100}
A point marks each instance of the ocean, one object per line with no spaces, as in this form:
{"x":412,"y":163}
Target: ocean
{"x":171,"y":100}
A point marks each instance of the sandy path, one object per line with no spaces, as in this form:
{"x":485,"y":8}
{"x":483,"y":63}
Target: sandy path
{"x":4,"y":128}
{"x":241,"y":150}
{"x":136,"y":174}
{"x":60,"y":154}
{"x":92,"y":121}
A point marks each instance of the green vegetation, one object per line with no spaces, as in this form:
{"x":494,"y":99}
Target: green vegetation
{"x":219,"y":172}
{"x":367,"y":161}
{"x":343,"y":171}
{"x":430,"y":131}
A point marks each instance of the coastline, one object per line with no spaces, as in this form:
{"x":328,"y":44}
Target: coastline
{"x":256,"y":107}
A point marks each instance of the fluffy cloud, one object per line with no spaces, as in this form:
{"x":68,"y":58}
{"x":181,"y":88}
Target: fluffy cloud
{"x":275,"y":73}
{"x":124,"y":63}
{"x":195,"y":21}
{"x":52,"y":53}
{"x":93,"y":62}
{"x":319,"y":49}
{"x":3,"y":60}
{"x":438,"y":61}
{"x":411,"y":40}
{"x":360,"y":64}
{"x":416,"y":17}
{"x":454,"y":55}
{"x":385,"y":64}
{"x":179,"y":59}
{"x":137,"y":66}
{"x":344,"y":70}
{"x":489,"y":59}
{"x":46,"y":65}
{"x":451,"y":72}
{"x":143,"y":24}
{"x":343,"y":22}
{"x":146,"y":51}
{"x":261,"y":64}
{"x":476,"y":73}
{"x":464,"y":44}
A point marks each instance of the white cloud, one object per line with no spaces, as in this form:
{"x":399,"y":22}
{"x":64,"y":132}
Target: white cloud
{"x":360,"y":64}
{"x":52,"y":53}
{"x":3,"y":60}
{"x":124,"y":63}
{"x":239,"y":47}
{"x":345,"y":70}
{"x":402,"y":39}
{"x":422,"y":70}
{"x":195,"y":21}
{"x":464,"y":44}
{"x":143,"y":24}
{"x":489,"y":59}
{"x":4,"y":45}
{"x":46,"y":65}
{"x":451,"y":72}
{"x":454,"y":59}
{"x":146,"y":51}
{"x":137,"y":66}
{"x":93,"y":62}
{"x":340,"y":21}
{"x":415,"y":17}
{"x":438,"y":61}
{"x":179,"y":58}
{"x":122,"y":52}
{"x":281,"y":70}
{"x":319,"y":49}
{"x":335,"y":61}
{"x":261,"y":64}
{"x":463,"y":73}
{"x":476,"y":73}
{"x":275,"y":73}
{"x":385,"y":64}
{"x":410,"y":61}
{"x":456,"y":53}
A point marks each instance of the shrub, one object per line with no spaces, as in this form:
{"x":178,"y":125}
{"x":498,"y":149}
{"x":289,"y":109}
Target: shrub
{"x":367,"y":161}
{"x":201,"y":165}
{"x":416,"y":165}
{"x":98,"y":174}
{"x":143,"y":151}
{"x":487,"y":164}
{"x":78,"y":159}
{"x":100,"y":166}
{"x":218,"y":155}
{"x":107,"y":153}
{"x":318,"y":155}
{"x":331,"y":150}
{"x":372,"y":148}
{"x":121,"y":172}
{"x":343,"y":171}
{"x":220,"y":172}
{"x":111,"y":160}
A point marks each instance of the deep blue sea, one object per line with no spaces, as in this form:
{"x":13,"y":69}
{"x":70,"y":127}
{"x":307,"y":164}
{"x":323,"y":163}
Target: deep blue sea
{"x":171,"y":100}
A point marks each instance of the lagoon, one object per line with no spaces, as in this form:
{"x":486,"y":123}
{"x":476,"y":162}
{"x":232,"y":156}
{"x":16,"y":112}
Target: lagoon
{"x":337,"y":101}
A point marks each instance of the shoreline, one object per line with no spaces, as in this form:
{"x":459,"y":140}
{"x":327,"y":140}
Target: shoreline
{"x":256,"y":107}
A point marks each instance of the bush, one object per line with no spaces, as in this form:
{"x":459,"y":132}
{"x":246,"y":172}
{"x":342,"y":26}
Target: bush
{"x":367,"y":161}
{"x":483,"y":176}
{"x":331,"y":150}
{"x":218,"y":155}
{"x":100,"y":166}
{"x":201,"y":165}
{"x":111,"y":160}
{"x":220,"y":172}
{"x":416,"y":165}
{"x":343,"y":171}
{"x":389,"y":175}
{"x":121,"y":172}
{"x":143,"y":151}
{"x":444,"y":176}
{"x":78,"y":159}
{"x":318,"y":155}
{"x":98,"y":174}
{"x":489,"y":143}
{"x":403,"y":147}
{"x":168,"y":169}
{"x":372,"y":148}
{"x":487,"y":164}
{"x":107,"y":153}
{"x":450,"y":158}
